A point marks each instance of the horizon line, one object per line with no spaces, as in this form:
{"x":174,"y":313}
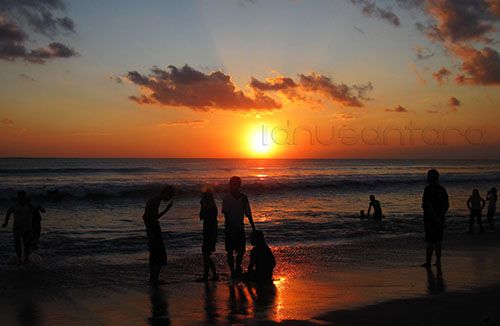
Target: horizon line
{"x":243,"y":158}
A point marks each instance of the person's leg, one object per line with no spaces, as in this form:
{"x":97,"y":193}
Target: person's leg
{"x":479,"y":221}
{"x":230,"y":262}
{"x":428,"y":254}
{"x":437,"y":247}
{"x":206,"y":264}
{"x":17,"y":244}
{"x":471,"y":223}
{"x":154,"y":273}
{"x":27,"y":245}
{"x":211,"y":265}
{"x":239,"y":261}
{"x":489,"y":218}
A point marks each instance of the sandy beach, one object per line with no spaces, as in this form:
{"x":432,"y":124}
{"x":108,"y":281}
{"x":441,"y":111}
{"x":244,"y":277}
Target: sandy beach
{"x":374,"y":282}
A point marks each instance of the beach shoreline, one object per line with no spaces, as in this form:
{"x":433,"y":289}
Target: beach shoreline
{"x":325,"y":284}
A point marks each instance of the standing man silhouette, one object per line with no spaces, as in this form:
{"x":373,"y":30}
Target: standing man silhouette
{"x":235,"y":207}
{"x":435,"y":205}
{"x":23,"y":225}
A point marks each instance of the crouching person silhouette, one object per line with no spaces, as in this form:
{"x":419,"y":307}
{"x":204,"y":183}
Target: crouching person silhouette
{"x":262,"y":262}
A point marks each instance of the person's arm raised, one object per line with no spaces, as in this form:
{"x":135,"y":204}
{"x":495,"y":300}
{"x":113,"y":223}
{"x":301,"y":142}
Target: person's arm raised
{"x":163,"y":212}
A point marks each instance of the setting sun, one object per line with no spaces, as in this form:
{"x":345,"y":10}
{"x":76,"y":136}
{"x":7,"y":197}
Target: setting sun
{"x":259,"y":144}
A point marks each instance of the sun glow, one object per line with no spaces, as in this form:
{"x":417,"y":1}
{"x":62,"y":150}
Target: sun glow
{"x":259,"y":143}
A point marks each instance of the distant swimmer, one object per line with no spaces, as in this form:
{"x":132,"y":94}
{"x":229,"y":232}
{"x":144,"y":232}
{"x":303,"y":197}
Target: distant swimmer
{"x":475,"y":203}
{"x":435,"y":205}
{"x":23,"y":226}
{"x":491,"y":198}
{"x":157,"y":252}
{"x":377,"y":209}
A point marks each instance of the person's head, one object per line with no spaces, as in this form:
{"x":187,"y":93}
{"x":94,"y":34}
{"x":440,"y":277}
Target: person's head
{"x":475,"y":193}
{"x":493,"y":191}
{"x":167,"y":193}
{"x":432,"y":176}
{"x":372,"y":197}
{"x":257,"y":238}
{"x":234,"y":184}
{"x":22,"y":197}
{"x":207,"y":195}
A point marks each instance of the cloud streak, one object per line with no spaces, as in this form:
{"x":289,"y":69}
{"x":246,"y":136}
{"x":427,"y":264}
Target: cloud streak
{"x":183,"y":123}
{"x":370,"y":9}
{"x":315,"y":84}
{"x":397,"y":109}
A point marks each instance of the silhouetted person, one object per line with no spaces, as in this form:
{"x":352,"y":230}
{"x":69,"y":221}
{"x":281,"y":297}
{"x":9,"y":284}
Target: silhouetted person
{"x":377,"y":209}
{"x":23,"y":225}
{"x":157,"y":252}
{"x":262,"y":262}
{"x":37,"y":225}
{"x":491,"y":198}
{"x":435,"y":205}
{"x":475,"y":203}
{"x":208,"y":214}
{"x":235,"y":207}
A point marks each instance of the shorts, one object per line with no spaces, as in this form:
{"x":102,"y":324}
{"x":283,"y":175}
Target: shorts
{"x":208,"y":245}
{"x":433,"y":233}
{"x":235,"y":241}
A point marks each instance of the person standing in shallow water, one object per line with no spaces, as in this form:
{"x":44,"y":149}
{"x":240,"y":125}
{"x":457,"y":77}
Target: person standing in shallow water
{"x":475,"y":204}
{"x":37,"y":225}
{"x":235,"y":207}
{"x":435,"y":205}
{"x":208,"y":214}
{"x":377,"y":209}
{"x":157,"y":252}
{"x":23,"y":225}
{"x":491,"y":198}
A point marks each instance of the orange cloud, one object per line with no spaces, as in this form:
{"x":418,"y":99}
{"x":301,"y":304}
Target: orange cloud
{"x":441,"y":75}
{"x":454,"y":103}
{"x":479,"y":67}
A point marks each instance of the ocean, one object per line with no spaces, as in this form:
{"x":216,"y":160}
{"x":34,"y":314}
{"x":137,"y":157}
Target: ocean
{"x":95,"y":206}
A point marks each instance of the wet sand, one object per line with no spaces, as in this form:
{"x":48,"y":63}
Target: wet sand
{"x":373,"y":282}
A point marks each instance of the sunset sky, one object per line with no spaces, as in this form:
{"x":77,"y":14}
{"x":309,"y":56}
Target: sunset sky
{"x":215,"y":78}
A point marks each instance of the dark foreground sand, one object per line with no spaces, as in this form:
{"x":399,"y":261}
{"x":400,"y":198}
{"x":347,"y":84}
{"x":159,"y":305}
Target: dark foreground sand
{"x":369,"y":282}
